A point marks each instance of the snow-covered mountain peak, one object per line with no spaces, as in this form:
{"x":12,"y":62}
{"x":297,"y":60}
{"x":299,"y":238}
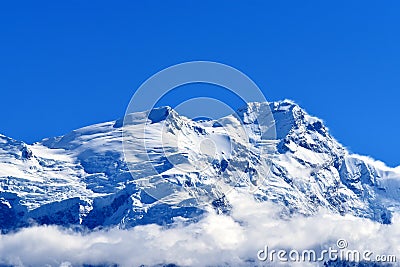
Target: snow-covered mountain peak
{"x":154,"y":166}
{"x":155,"y":115}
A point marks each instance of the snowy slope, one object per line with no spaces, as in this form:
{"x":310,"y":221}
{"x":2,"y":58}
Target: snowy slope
{"x":162,"y":166}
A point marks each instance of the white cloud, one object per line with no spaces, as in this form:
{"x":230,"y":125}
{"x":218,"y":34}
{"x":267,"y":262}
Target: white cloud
{"x":215,"y":239}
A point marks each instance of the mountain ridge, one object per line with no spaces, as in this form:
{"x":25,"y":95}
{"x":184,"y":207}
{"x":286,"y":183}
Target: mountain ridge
{"x":117,"y":174}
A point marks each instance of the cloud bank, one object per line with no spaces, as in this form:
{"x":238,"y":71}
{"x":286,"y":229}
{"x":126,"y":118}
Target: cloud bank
{"x":214,"y":240}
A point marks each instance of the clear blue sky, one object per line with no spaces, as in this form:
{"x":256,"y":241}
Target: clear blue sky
{"x":71,"y":64}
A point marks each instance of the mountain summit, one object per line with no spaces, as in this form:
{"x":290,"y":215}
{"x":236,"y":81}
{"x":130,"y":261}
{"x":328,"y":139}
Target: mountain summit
{"x":156,"y":166}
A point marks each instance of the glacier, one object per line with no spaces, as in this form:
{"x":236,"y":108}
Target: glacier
{"x":156,"y":167}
